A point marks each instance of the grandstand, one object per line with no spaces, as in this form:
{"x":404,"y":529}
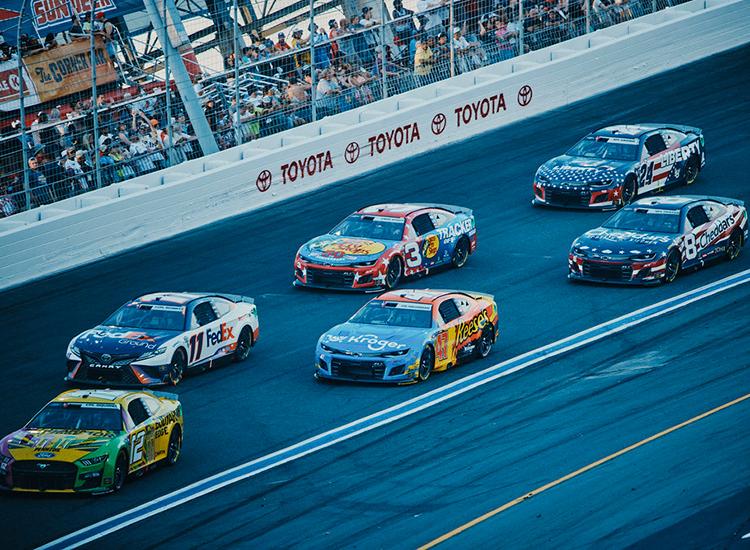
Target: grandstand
{"x":180,"y":80}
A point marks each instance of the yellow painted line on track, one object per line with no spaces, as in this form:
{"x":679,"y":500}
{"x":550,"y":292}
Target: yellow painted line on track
{"x":550,"y":485}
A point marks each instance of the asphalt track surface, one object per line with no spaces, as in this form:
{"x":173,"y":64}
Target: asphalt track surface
{"x":408,"y":483}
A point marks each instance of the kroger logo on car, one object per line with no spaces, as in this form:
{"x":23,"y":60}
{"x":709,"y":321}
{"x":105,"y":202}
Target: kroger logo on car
{"x":373,"y":342}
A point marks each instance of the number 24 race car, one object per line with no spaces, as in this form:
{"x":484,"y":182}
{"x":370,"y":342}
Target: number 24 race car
{"x":377,"y":246}
{"x":90,"y":440}
{"x":652,"y":240}
{"x":154,"y":339}
{"x":403,"y":336}
{"x":612,"y":166}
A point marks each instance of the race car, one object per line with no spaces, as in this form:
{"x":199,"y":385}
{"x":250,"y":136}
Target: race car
{"x":156,"y":338}
{"x":377,"y":246}
{"x":613,"y":166}
{"x":653,"y":239}
{"x":402,"y":336}
{"x":89,"y":441}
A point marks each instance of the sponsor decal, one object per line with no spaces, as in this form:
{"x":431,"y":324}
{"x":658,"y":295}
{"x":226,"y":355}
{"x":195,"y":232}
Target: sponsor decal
{"x":721,"y":226}
{"x":298,"y":169}
{"x":44,"y":454}
{"x":393,"y":139}
{"x":374,"y":343}
{"x":438,"y":123}
{"x":441,"y":346}
{"x":52,"y":12}
{"x":352,"y":247}
{"x":430,"y":246}
{"x":479,"y":109}
{"x":467,"y":329}
{"x":351,"y":153}
{"x":137,"y":343}
{"x":525,"y":93}
{"x":455,"y":229}
{"x":263,"y":181}
{"x":215,"y":337}
{"x":630,"y":236}
{"x":677,"y":154}
{"x":138,"y":336}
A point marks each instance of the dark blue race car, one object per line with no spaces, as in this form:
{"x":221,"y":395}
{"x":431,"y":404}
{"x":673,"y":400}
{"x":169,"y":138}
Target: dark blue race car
{"x":652,"y":240}
{"x":613,"y":166}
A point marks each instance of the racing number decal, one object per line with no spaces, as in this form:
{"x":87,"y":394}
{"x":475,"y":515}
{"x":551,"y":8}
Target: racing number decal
{"x":413,"y":257}
{"x":136,"y":447}
{"x":441,"y":346}
{"x":691,"y":251}
{"x":196,"y":346}
{"x":646,"y":174}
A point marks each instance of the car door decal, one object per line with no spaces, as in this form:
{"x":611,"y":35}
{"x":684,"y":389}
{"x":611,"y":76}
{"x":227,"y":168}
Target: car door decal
{"x":196,"y":346}
{"x":136,"y":448}
{"x":412,"y":255}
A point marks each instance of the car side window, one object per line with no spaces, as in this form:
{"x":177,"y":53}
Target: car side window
{"x":697,"y":216}
{"x":422,"y":224}
{"x":463,"y":305}
{"x":137,"y":411}
{"x":440,"y":218}
{"x":449,"y":311}
{"x":152,"y":405}
{"x":221,"y":306}
{"x":654,"y":144}
{"x":203,"y":314}
{"x":714,"y":211}
{"x":672,"y":136}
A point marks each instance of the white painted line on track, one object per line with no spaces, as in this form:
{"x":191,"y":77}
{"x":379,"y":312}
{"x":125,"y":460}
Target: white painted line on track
{"x":391,"y":414}
{"x":746,"y":536}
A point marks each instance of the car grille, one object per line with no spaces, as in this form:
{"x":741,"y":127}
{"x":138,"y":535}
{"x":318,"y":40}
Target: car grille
{"x":357,"y":370}
{"x":116,"y":371}
{"x":607,"y":271}
{"x":122,"y":359}
{"x":33,"y":474}
{"x":330,"y":277}
{"x":566,"y":197}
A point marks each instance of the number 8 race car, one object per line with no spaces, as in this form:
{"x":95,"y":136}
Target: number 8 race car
{"x":154,"y":339}
{"x":612,"y":166}
{"x":377,"y":246}
{"x":652,"y":240}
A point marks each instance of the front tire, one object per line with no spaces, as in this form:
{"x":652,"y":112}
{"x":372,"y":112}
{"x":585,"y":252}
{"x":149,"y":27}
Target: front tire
{"x":393,"y":273}
{"x":120,"y":474}
{"x":244,"y":343}
{"x":461,"y":253}
{"x":426,"y":363}
{"x":177,"y":368}
{"x":672,"y":266}
{"x":734,"y":245}
{"x":174,"y":448}
{"x":692,"y":168}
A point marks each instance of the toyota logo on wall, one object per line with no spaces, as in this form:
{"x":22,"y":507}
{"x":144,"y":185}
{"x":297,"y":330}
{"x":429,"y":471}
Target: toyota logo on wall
{"x":351,"y":153}
{"x":524,"y":95}
{"x":263,"y":182}
{"x":438,"y":124}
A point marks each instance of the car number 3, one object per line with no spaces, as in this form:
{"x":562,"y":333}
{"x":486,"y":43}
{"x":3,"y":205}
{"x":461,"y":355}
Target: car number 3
{"x":413,"y":257}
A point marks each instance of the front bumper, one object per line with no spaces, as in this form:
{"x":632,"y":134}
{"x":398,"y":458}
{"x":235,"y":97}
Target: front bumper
{"x":616,"y":272}
{"x":129,"y":375}
{"x":25,"y":476}
{"x":575,"y":197}
{"x":378,"y":370}
{"x":311,"y":275}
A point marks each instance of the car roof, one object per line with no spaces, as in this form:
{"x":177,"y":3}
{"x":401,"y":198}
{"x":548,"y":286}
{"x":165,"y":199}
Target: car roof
{"x":625,"y":130}
{"x":169,"y":298}
{"x":667,"y":203}
{"x":417,"y":295}
{"x":393,"y":210}
{"x":119,"y":397}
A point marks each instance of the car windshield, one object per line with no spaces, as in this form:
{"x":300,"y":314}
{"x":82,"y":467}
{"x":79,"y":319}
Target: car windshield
{"x":370,"y":227}
{"x":153,"y":316}
{"x":394,"y":314}
{"x":78,"y":416}
{"x":652,"y":220}
{"x":600,"y":147}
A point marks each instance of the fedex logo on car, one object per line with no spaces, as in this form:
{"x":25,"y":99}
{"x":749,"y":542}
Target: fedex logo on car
{"x":223,"y":334}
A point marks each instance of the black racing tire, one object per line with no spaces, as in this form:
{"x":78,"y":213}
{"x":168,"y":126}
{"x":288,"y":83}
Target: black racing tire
{"x":692,"y":169}
{"x":484,"y":346}
{"x":244,"y":343}
{"x":672,"y":266}
{"x":174,"y":447}
{"x":426,"y":364}
{"x":394,"y":272}
{"x":734,"y":245}
{"x":629,"y":190}
{"x":461,"y":253}
{"x":120,"y":473}
{"x":177,"y":367}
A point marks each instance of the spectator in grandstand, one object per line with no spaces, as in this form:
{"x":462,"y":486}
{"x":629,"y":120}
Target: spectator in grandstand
{"x":213,"y":114}
{"x":8,"y":205}
{"x":302,"y":59}
{"x":121,"y":158}
{"x":368,"y":22}
{"x":322,"y":47}
{"x":55,"y":172}
{"x":109,"y":32}
{"x":333,"y":33}
{"x":40,"y":191}
{"x":140,"y":154}
{"x":403,"y":22}
{"x":364,"y":53}
{"x":423,"y":62}
{"x":466,"y":53}
{"x":431,"y":14}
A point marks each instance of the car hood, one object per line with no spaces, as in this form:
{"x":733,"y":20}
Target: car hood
{"x":334,"y":250}
{"x":122,"y":341}
{"x":616,"y":243}
{"x":583,"y":171}
{"x":362,"y":339}
{"x":54,"y":444}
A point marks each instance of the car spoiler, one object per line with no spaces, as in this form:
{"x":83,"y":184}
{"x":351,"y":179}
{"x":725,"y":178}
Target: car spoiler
{"x":679,"y":127}
{"x":236,"y":298}
{"x":469,"y":293}
{"x":449,"y":207}
{"x":724,"y":200}
{"x":164,"y":395}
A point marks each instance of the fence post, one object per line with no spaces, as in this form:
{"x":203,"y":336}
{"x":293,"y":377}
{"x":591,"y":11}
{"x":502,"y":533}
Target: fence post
{"x":451,"y":23}
{"x":520,"y":28}
{"x":23,"y":137}
{"x":382,"y":48}
{"x":236,"y":41}
{"x":313,"y":91}
{"x":653,"y":6}
{"x":94,"y":107}
{"x":587,"y":10}
{"x":168,"y":96}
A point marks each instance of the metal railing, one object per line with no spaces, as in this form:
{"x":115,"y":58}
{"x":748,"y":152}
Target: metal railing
{"x":72,"y":125}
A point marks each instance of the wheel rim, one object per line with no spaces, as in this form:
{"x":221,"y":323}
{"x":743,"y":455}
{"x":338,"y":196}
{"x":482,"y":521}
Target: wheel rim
{"x":174,"y":448}
{"x":243,"y":344}
{"x":628,"y":192}
{"x":672,"y":268}
{"x":176,"y":369}
{"x":733,"y":248}
{"x":691,"y":171}
{"x":425,"y":365}
{"x":462,"y":253}
{"x":485,"y":345}
{"x":393,"y":274}
{"x":119,"y":476}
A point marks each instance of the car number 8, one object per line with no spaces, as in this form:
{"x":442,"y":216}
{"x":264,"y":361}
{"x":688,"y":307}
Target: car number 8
{"x":413,"y":257}
{"x":690,"y":249}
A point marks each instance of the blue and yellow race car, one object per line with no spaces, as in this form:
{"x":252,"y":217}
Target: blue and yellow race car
{"x":403,"y":336}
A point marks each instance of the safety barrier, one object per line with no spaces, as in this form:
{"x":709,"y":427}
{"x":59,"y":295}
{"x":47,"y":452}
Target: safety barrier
{"x":158,"y":205}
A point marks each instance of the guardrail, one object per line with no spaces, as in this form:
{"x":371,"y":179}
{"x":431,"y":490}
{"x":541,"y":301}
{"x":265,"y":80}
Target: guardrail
{"x":201,"y":191}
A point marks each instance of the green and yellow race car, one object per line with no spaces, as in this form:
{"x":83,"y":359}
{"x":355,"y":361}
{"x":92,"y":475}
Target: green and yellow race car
{"x":91,"y":440}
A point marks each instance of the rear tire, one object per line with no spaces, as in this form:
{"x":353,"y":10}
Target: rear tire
{"x":672,"y":266}
{"x":629,"y":190}
{"x":177,"y":367}
{"x":244,"y":343}
{"x":174,"y":448}
{"x":692,"y":168}
{"x":734,"y":245}
{"x":484,"y":346}
{"x":393,"y":273}
{"x":461,"y":253}
{"x":426,"y":363}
